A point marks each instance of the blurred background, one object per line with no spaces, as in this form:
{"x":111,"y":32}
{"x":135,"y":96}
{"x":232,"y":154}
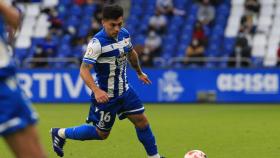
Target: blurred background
{"x":193,"y":50}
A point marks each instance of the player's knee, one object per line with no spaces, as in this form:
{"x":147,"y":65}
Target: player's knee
{"x":103,"y":135}
{"x":141,"y":122}
{"x":43,"y":155}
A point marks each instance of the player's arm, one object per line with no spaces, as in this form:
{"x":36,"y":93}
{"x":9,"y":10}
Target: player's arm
{"x":86,"y":76}
{"x":134,"y":62}
{"x":10,"y":14}
{"x":100,"y":95}
{"x":90,"y":57}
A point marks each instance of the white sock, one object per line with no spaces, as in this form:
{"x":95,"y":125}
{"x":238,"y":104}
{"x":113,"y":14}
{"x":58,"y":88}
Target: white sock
{"x":61,"y":132}
{"x":154,"y":156}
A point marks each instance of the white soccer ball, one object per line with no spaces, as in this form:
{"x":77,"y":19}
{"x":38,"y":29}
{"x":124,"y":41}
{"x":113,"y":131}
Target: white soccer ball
{"x":195,"y":154}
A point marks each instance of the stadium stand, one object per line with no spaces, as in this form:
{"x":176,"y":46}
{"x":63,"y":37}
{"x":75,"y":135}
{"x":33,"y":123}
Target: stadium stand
{"x":61,"y":29}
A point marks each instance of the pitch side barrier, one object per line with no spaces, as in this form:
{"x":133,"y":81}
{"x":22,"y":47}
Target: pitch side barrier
{"x":169,"y":85}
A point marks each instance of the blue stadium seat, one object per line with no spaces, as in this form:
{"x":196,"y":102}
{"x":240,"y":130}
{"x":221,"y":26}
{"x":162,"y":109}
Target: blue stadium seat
{"x":75,"y":10}
{"x":136,"y":10}
{"x":139,"y":40}
{"x":193,"y":10}
{"x":133,"y":20}
{"x":89,"y":10}
{"x":218,"y":31}
{"x":223,"y":9}
{"x":64,"y":51}
{"x":65,"y":40}
{"x":65,"y":2}
{"x":206,"y":30}
{"x":177,"y":21}
{"x":86,"y":20}
{"x":20,"y":54}
{"x":257,"y":61}
{"x":228,"y":45}
{"x":186,"y":38}
{"x":72,"y":21}
{"x":36,"y":41}
{"x":77,"y":51}
{"x":83,"y":30}
{"x":191,"y":19}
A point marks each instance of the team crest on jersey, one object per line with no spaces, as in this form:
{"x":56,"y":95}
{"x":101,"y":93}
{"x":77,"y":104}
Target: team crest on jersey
{"x":89,"y":52}
{"x":126,"y":41}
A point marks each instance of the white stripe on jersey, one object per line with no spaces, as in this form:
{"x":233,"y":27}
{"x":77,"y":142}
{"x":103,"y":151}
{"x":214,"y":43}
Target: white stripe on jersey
{"x":121,"y":88}
{"x":125,"y":77}
{"x":114,"y":46}
{"x":111,"y":80}
{"x":4,"y":55}
{"x":109,"y":60}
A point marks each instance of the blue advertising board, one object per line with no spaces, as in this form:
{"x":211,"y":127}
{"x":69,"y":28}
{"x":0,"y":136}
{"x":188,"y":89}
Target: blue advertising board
{"x":174,"y":85}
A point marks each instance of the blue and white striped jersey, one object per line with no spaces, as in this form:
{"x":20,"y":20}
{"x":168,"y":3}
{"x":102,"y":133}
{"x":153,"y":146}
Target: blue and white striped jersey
{"x":7,"y":67}
{"x":109,"y":57}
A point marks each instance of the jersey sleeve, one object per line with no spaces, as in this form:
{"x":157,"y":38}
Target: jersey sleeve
{"x":93,"y":51}
{"x":130,"y":46}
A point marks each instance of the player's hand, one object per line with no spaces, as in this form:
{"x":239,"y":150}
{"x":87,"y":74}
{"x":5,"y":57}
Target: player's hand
{"x":101,"y":96}
{"x":144,"y":78}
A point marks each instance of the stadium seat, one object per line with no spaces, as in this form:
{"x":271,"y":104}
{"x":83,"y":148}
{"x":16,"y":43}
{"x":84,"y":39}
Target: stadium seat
{"x":32,"y":9}
{"x":267,"y":2}
{"x":75,"y":10}
{"x":89,"y":10}
{"x":26,"y":30}
{"x":258,"y":51}
{"x":50,"y":3}
{"x":229,"y":44}
{"x":65,"y":2}
{"x":271,"y":57}
{"x":264,"y":24}
{"x":238,"y":2}
{"x":20,"y":53}
{"x":83,"y":31}
{"x":267,"y":10}
{"x":23,"y":42}
{"x":40,"y":32}
{"x":237,"y":10}
{"x":64,"y":51}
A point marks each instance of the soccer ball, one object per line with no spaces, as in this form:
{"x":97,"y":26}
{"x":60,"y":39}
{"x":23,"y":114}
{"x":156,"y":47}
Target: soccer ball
{"x":195,"y":154}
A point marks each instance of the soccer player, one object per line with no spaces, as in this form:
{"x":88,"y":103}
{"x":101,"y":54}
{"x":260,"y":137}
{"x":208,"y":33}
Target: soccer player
{"x":17,"y":119}
{"x":108,"y":53}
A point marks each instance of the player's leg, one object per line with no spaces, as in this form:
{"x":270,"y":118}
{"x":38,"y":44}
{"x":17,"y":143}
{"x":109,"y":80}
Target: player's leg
{"x":100,"y":121}
{"x":17,"y":121}
{"x":145,"y":134}
{"x":134,"y":111}
{"x":82,"y":132}
{"x":25,"y":143}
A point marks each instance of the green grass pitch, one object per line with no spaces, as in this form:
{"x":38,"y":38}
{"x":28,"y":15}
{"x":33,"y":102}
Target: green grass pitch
{"x":221,"y":131}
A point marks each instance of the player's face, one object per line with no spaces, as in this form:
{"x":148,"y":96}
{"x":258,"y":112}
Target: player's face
{"x":112,"y":27}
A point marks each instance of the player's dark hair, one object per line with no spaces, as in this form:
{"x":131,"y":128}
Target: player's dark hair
{"x":112,"y":12}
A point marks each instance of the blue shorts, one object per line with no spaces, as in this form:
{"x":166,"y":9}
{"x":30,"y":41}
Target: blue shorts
{"x":15,"y":109}
{"x":103,"y":115}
